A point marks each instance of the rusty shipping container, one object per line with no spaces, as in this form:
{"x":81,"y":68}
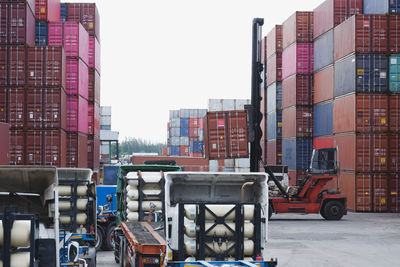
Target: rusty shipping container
{"x":4,"y":144}
{"x":35,"y":66}
{"x":323,"y":85}
{"x":371,"y":192}
{"x":331,"y":13}
{"x":297,"y":122}
{"x":394,"y":148}
{"x":274,"y":69}
{"x":77,"y":150}
{"x":297,"y":90}
{"x":16,"y":107}
{"x":93,"y":152}
{"x":17,"y":147}
{"x":361,"y":34}
{"x":16,"y":65}
{"x":34,"y":108}
{"x":394,"y":34}
{"x":274,"y":41}
{"x":55,"y":63}
{"x":394,"y":192}
{"x":34,"y":147}
{"x":298,"y":28}
{"x":394,"y":113}
{"x":225,"y":135}
{"x":361,"y":113}
{"x":55,"y":148}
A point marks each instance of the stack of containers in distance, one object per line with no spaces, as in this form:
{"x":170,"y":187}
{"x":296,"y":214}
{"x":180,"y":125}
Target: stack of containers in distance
{"x":297,"y":94}
{"x":361,"y":110}
{"x":274,"y":96}
{"x":263,"y":104}
{"x":185,"y":133}
{"x":75,"y":40}
{"x":225,"y":135}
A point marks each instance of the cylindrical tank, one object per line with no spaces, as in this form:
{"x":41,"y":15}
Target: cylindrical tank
{"x":64,"y":219}
{"x":219,"y":229}
{"x":64,"y":205}
{"x":147,"y":205}
{"x":82,"y":204}
{"x":219,"y":210}
{"x":133,"y":194}
{"x":191,"y":247}
{"x":132,"y":216}
{"x":20,"y":233}
{"x":81,"y":218}
{"x":132,"y":206}
{"x":82,"y":190}
{"x":64,"y":190}
{"x":19,"y":259}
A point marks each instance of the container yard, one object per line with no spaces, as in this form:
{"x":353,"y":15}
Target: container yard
{"x":302,"y":167}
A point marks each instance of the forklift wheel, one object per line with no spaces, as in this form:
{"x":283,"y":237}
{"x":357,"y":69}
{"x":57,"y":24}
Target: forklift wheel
{"x":333,"y":210}
{"x":270,"y":210}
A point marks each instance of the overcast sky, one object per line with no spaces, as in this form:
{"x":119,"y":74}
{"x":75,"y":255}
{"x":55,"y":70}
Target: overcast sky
{"x":159,"y":55}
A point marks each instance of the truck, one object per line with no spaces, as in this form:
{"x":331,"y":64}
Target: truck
{"x":106,"y":216}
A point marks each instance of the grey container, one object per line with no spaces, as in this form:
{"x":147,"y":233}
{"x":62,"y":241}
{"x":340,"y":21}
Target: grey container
{"x":175,"y":123}
{"x":173,"y":114}
{"x":174,"y":132}
{"x":184,"y":141}
{"x":271,"y":126}
{"x":376,"y":6}
{"x":345,"y":76}
{"x":213,"y":165}
{"x":175,"y":141}
{"x":184,"y":113}
{"x":201,"y":135}
{"x":323,"y":51}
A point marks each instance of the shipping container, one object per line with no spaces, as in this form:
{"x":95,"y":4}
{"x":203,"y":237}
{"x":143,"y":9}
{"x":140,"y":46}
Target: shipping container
{"x":184,"y":140}
{"x":297,"y":122}
{"x":394,"y":73}
{"x":226,"y":104}
{"x":274,"y":124}
{"x":274,"y":152}
{"x":184,"y":151}
{"x":184,"y":123}
{"x":226,"y":135}
{"x":394,"y":148}
{"x":94,"y":119}
{"x":376,"y":6}
{"x":54,"y":108}
{"x":94,"y":86}
{"x":323,"y":119}
{"x":16,"y":65}
{"x":3,"y":104}
{"x":297,"y":177}
{"x":34,"y":147}
{"x":296,"y":153}
{"x":193,"y":132}
{"x":63,"y":11}
{"x":297,"y":90}
{"x":331,"y":13}
{"x":175,"y":150}
{"x":263,"y":56}
{"x":274,"y":69}
{"x":361,"y":73}
{"x":323,"y":51}
{"x":361,"y":113}
{"x":394,"y":192}
{"x":34,"y":103}
{"x":17,"y":147}
{"x":298,"y":59}
{"x":394,"y":6}
{"x":77,"y":114}
{"x":324,"y":142}
{"x":363,"y":152}
{"x":41,"y":33}
{"x":394,"y":34}
{"x":184,"y":131}
{"x":16,"y":107}
{"x":72,"y":36}
{"x":94,"y":152}
{"x":94,"y":54}
{"x":274,"y":97}
{"x":361,"y":34}
{"x":77,"y":150}
{"x":196,"y":155}
{"x":195,"y":122}
{"x":394,"y":113}
{"x":77,"y":78}
{"x":371,"y":192}
{"x":4,"y":144}
{"x":298,"y":28}
{"x":4,"y":65}
{"x":47,"y":10}
{"x":55,"y":63}
{"x":17,"y":23}
{"x":196,"y":147}
{"x":274,"y":41}
{"x":323,"y":85}
{"x":87,"y":14}
{"x":35,"y":66}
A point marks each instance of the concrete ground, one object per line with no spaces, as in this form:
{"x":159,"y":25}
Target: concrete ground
{"x":359,"y":239}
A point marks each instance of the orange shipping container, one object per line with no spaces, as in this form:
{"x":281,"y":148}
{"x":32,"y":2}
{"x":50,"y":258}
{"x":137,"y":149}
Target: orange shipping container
{"x":297,"y":122}
{"x":323,"y":85}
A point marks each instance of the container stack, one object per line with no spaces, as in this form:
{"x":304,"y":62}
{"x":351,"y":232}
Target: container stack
{"x":185,"y":133}
{"x":274,"y":96}
{"x":297,"y":93}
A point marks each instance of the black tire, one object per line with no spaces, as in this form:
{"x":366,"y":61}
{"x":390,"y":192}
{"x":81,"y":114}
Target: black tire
{"x":322,"y":212}
{"x":99,"y":238}
{"x":333,"y":210}
{"x":108,"y":243}
{"x":270,"y":210}
{"x":122,"y":251}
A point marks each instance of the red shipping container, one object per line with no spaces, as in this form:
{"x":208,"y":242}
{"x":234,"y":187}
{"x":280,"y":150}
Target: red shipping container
{"x":17,"y":147}
{"x":4,"y":144}
{"x":323,"y":85}
{"x":55,"y":108}
{"x":394,"y":147}
{"x":394,"y":113}
{"x":361,"y":34}
{"x":17,"y":24}
{"x":54,"y":58}
{"x":93,"y":152}
{"x":3,"y":63}
{"x":372,"y":194}
{"x":165,"y":151}
{"x":225,"y":135}
{"x":184,"y":150}
{"x":16,"y":65}
{"x":361,"y":113}
{"x":298,"y":28}
{"x":274,"y":41}
{"x":297,"y":122}
{"x":77,"y":82}
{"x":194,"y":123}
{"x":274,"y":67}
{"x":35,"y":66}
{"x":34,"y":108}
{"x":16,"y":107}
{"x":77,"y":114}
{"x":323,"y":142}
{"x":94,"y":86}
{"x":94,"y":119}
{"x":394,"y":193}
{"x":193,"y":132}
{"x":55,"y":148}
{"x":77,"y":150}
{"x":196,"y":155}
{"x":47,"y":10}
{"x":331,"y":13}
{"x":197,"y":138}
{"x":72,"y":36}
{"x":274,"y":152}
{"x":94,"y":53}
{"x":298,"y":59}
{"x":87,"y":14}
{"x":297,"y":90}
{"x":3,"y":104}
{"x":394,"y":34}
{"x":34,"y":147}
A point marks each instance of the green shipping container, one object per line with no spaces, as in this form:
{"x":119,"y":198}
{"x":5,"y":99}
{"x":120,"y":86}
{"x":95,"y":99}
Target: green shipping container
{"x":394,"y":73}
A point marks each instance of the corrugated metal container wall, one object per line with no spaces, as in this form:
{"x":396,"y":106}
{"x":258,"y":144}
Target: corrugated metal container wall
{"x":17,"y":147}
{"x":296,"y":154}
{"x":16,"y":107}
{"x":41,"y":33}
{"x":18,"y":24}
{"x":3,"y":104}
{"x":331,"y":13}
{"x":298,"y":59}
{"x":184,"y":151}
{"x":55,"y":73}
{"x":94,"y":86}
{"x":274,"y":41}
{"x":361,"y":34}
{"x":77,"y":81}
{"x":35,"y":66}
{"x":323,"y":51}
{"x":47,"y":10}
{"x":376,"y":7}
{"x":274,"y":155}
{"x":371,"y":192}
{"x":394,"y":113}
{"x":274,"y":126}
{"x":55,"y":148}
{"x":394,"y":73}
{"x":298,"y":28}
{"x":94,"y":53}
{"x":16,"y":65}
{"x":77,"y":150}
{"x":34,"y":103}
{"x":323,"y":85}
{"x":297,"y":122}
{"x":34,"y":147}
{"x":226,"y":135}
{"x":3,"y":65}
{"x":77,"y":114}
{"x":93,"y":152}
{"x":63,"y":11}
{"x":87,"y":14}
{"x":4,"y":144}
{"x":394,"y":192}
{"x":55,"y":108}
{"x":274,"y":97}
{"x":297,"y":90}
{"x":323,"y":119}
{"x":324,"y":142}
{"x":175,"y":150}
{"x":93,"y":119}
{"x":394,"y":34}
{"x":274,"y":67}
{"x":394,"y":7}
{"x":394,"y":147}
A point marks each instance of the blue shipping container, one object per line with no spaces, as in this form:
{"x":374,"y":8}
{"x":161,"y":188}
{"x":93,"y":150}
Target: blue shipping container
{"x":394,"y":6}
{"x":110,"y":175}
{"x":323,"y":51}
{"x":63,"y":12}
{"x":274,"y":125}
{"x":296,"y":154}
{"x":323,"y":119}
{"x":376,"y":6}
{"x":394,"y":73}
{"x":41,"y":33}
{"x":175,"y":150}
{"x":184,"y":123}
{"x":184,"y":131}
{"x":196,"y":147}
{"x":274,"y":97}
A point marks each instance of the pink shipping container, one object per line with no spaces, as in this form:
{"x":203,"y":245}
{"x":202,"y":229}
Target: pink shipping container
{"x":77,"y":78}
{"x":87,"y":14}
{"x":297,"y":122}
{"x":77,"y":114}
{"x":94,"y":119}
{"x":17,"y":147}
{"x":298,"y":59}
{"x":72,"y":36}
{"x":47,"y":10}
{"x":16,"y":107}
{"x":94,"y":86}
{"x":94,"y":53}
{"x":297,"y":90}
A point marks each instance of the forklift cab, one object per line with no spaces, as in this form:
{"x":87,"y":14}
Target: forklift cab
{"x":324,"y":161}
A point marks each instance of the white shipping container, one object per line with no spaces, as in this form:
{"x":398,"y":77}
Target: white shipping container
{"x":104,"y":149}
{"x":214,"y":105}
{"x":230,"y":163}
{"x":229,"y":169}
{"x":240,"y":103}
{"x":184,"y":141}
{"x":105,"y":120}
{"x":175,"y":132}
{"x":213,"y":165}
{"x":175,"y":141}
{"x":173,"y":114}
{"x":175,"y":123}
{"x":237,"y":169}
{"x":105,"y":111}
{"x":201,"y":135}
{"x":202,"y":113}
{"x":108,"y":135}
{"x":242,"y":163}
{"x":184,"y":113}
{"x":193,"y":113}
{"x":228,"y":104}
